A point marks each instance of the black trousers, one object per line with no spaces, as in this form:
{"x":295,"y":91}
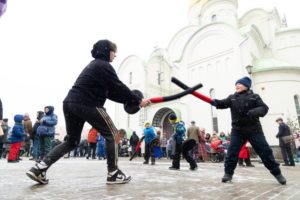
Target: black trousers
{"x":149,"y":153}
{"x":75,"y":116}
{"x":287,"y":154}
{"x":186,"y":155}
{"x":1,"y":150}
{"x":259,"y":144}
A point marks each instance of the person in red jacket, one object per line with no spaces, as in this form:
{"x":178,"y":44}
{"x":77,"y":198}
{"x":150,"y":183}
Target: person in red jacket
{"x":92,"y":140}
{"x":244,"y":155}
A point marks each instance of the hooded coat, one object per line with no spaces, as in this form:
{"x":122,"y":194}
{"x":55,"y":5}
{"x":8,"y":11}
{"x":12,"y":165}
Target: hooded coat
{"x":18,"y":133}
{"x":48,"y":122}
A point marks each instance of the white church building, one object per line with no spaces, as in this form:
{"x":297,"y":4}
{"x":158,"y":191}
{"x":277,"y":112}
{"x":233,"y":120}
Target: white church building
{"x":214,"y":49}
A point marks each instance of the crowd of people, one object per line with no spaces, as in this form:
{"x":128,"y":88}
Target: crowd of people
{"x":26,"y":139}
{"x":31,"y":141}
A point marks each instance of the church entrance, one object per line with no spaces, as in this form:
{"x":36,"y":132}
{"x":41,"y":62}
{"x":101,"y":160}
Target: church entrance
{"x":161,"y":121}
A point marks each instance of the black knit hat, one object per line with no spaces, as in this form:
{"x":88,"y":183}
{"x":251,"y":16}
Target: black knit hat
{"x":246,"y":81}
{"x":172,"y":116}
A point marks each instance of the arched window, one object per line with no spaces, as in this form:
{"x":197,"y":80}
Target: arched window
{"x":160,"y":77}
{"x":297,"y":105}
{"x":212,"y":94}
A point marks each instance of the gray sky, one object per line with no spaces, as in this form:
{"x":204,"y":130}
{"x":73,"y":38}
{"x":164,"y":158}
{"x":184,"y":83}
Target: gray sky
{"x":44,"y":44}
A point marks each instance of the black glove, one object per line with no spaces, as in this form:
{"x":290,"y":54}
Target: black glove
{"x":251,"y":114}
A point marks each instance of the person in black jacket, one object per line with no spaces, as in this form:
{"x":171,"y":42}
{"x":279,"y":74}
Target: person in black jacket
{"x":246,"y":108}
{"x":286,"y":150}
{"x":35,"y":137}
{"x":84,"y":103}
{"x":133,"y":141}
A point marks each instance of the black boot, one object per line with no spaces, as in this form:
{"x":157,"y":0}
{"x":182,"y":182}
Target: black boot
{"x":152,"y":161}
{"x":226,"y":178}
{"x":280,"y":179}
{"x":248,"y":162}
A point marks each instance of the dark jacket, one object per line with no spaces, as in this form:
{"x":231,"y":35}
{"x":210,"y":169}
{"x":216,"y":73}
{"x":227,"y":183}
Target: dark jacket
{"x":33,"y":133}
{"x":5,"y":128}
{"x":134,"y":139}
{"x":99,"y":81}
{"x":246,"y":108}
{"x":284,"y":130}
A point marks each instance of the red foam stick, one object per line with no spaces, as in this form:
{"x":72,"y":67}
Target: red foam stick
{"x":175,"y":96}
{"x":195,"y":93}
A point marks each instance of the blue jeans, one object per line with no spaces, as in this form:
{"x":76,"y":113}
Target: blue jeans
{"x":36,"y":147}
{"x":259,"y":144}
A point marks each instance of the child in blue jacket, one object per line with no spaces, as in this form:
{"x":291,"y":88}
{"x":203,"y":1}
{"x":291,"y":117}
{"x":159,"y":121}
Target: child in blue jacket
{"x":178,"y":137}
{"x":149,"y":136}
{"x":16,"y":137}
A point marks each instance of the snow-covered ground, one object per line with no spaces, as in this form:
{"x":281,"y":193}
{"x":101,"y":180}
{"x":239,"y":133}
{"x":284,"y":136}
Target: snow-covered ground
{"x":78,"y":178}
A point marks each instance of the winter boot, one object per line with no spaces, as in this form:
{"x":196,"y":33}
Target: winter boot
{"x":38,"y":172}
{"x":117,"y":177}
{"x":173,"y":168}
{"x":226,"y":178}
{"x":280,"y":179}
{"x":152,"y":161}
{"x":193,"y":168}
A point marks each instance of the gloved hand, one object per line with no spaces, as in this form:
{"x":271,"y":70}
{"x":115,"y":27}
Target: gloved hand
{"x":251,"y":114}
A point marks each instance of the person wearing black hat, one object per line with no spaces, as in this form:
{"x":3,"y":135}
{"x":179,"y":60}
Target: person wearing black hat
{"x":246,"y":108}
{"x":84,"y":103}
{"x":181,"y":146}
{"x":285,"y":146}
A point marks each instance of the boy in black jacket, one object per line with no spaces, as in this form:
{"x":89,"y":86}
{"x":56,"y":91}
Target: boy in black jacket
{"x":246,"y":108}
{"x":84,"y":103}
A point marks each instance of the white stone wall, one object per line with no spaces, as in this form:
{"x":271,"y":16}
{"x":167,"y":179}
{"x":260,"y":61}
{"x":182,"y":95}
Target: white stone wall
{"x":287,"y":46}
{"x":277,"y":89}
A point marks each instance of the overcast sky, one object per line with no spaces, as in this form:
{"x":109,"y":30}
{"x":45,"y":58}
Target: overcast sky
{"x":44,"y":44}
